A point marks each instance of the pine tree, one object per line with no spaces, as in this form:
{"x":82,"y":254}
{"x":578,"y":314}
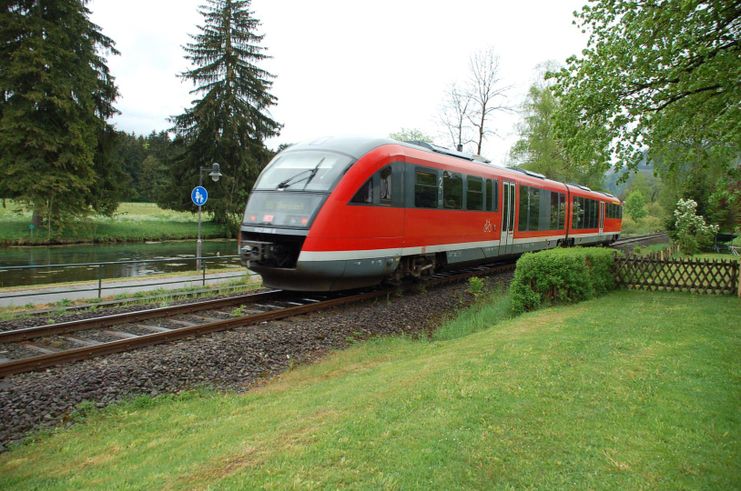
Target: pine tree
{"x":55,"y":95}
{"x":230,"y":121}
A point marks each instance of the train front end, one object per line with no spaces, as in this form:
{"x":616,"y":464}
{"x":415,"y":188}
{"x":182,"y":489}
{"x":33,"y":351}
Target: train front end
{"x":287,"y":197}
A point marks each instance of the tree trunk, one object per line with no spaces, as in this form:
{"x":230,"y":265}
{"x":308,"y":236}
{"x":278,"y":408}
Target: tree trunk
{"x":36,"y":218}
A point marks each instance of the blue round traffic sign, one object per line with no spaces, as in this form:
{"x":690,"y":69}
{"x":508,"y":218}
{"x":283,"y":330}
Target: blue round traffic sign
{"x":199,"y":196}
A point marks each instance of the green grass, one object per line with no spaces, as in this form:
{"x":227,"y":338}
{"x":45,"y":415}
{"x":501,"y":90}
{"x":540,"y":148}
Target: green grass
{"x":649,"y":249}
{"x":579,"y":396}
{"x":131,"y":222}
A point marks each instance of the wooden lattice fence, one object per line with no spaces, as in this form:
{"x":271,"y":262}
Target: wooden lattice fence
{"x":678,"y":274}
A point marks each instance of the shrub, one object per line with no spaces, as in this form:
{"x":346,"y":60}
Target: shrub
{"x":691,"y":232}
{"x":561,"y":276}
{"x":475,"y":286}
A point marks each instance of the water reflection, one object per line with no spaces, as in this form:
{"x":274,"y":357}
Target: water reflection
{"x":21,"y":256}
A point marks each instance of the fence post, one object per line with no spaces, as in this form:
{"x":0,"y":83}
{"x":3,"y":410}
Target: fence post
{"x":738,"y":278}
{"x":100,"y":279}
{"x":203,"y":265}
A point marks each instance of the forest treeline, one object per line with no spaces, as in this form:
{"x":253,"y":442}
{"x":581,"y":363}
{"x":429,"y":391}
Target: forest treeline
{"x":657,"y":87}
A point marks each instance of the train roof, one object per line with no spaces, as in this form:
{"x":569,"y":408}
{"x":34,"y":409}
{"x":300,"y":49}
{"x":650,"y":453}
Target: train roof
{"x":354,"y":146}
{"x":357,"y":146}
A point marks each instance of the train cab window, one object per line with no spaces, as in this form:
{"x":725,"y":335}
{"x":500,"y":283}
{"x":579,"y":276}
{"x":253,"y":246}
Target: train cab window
{"x":475,"y":193}
{"x":364,"y":194}
{"x":376,"y":190}
{"x":384,"y":177}
{"x":425,"y":188}
{"x":452,"y":191}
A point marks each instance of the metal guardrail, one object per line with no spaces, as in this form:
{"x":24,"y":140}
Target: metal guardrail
{"x":200,"y":263}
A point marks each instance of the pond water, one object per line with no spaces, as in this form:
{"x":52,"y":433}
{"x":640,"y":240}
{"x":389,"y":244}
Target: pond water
{"x":183,"y":251}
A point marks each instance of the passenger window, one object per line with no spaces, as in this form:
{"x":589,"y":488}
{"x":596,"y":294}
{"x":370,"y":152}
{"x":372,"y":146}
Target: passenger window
{"x":475,"y":194}
{"x":489,"y":195}
{"x":555,"y":197}
{"x":577,"y":217}
{"x":561,"y":211}
{"x":523,"y":214}
{"x":495,"y":196}
{"x":425,"y":188}
{"x":452,"y":191}
{"x":365,"y":193}
{"x":534,"y":209}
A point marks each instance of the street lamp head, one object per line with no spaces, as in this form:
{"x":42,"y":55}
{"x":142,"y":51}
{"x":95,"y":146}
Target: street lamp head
{"x":215,"y":172}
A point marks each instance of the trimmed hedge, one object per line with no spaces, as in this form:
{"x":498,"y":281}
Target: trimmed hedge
{"x":561,"y":276}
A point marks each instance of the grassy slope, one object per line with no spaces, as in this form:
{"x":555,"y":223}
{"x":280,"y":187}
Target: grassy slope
{"x":631,"y":390}
{"x":132,"y":222}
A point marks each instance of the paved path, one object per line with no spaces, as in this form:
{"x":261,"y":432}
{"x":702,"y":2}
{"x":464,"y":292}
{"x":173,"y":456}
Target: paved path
{"x":47,"y":294}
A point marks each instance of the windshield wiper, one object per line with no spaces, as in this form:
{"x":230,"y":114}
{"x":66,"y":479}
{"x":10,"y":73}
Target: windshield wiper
{"x":293,"y":179}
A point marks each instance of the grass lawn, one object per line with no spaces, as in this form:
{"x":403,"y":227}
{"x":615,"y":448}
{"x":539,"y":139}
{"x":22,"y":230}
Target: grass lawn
{"x":131,"y":222}
{"x":580,"y":396}
{"x":649,"y":249}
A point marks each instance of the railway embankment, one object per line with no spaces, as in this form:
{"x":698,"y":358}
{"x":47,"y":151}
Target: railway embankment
{"x":631,"y":389}
{"x":232,"y":360}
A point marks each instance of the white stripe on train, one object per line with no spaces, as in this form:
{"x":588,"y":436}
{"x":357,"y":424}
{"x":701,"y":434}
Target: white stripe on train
{"x":395,"y":252}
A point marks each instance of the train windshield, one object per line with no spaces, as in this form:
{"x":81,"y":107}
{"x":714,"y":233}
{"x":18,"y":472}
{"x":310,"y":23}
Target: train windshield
{"x":303,"y":171}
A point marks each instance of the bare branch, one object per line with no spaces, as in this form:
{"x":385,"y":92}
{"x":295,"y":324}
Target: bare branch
{"x":454,"y":115}
{"x":485,"y":86}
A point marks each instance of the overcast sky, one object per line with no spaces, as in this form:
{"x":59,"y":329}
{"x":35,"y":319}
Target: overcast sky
{"x":344,"y":67}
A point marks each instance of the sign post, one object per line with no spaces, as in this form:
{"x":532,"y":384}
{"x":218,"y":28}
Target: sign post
{"x":199,"y":196}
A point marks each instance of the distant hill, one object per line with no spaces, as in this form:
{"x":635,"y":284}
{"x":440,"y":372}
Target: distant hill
{"x":618,"y":189}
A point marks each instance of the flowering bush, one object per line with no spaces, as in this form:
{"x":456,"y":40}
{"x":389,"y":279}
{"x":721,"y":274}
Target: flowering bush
{"x":692,"y":233}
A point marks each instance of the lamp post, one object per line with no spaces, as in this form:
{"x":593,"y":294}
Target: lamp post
{"x":215,"y":175}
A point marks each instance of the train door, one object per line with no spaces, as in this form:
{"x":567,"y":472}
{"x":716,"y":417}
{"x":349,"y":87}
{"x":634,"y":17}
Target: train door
{"x":601,"y":217}
{"x":506,"y":238}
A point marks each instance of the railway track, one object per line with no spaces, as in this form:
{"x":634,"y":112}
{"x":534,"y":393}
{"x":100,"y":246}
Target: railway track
{"x":36,"y":348}
{"x":633,"y":241}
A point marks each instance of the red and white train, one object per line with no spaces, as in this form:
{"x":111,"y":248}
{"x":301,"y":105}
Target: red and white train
{"x":340,"y":213}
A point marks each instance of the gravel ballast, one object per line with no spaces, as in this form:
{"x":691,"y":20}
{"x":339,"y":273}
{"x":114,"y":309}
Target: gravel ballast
{"x":229,"y":360}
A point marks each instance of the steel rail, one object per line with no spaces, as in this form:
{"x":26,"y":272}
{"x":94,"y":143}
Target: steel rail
{"x":83,"y":353}
{"x":17,"y":335}
{"x":77,"y":354}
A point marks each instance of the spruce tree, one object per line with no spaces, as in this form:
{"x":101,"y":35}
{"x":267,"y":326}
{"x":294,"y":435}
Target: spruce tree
{"x":55,"y":95}
{"x":230,"y":121}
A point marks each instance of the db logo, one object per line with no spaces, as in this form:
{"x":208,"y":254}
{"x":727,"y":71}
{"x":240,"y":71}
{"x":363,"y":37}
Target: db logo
{"x":488,"y":227}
